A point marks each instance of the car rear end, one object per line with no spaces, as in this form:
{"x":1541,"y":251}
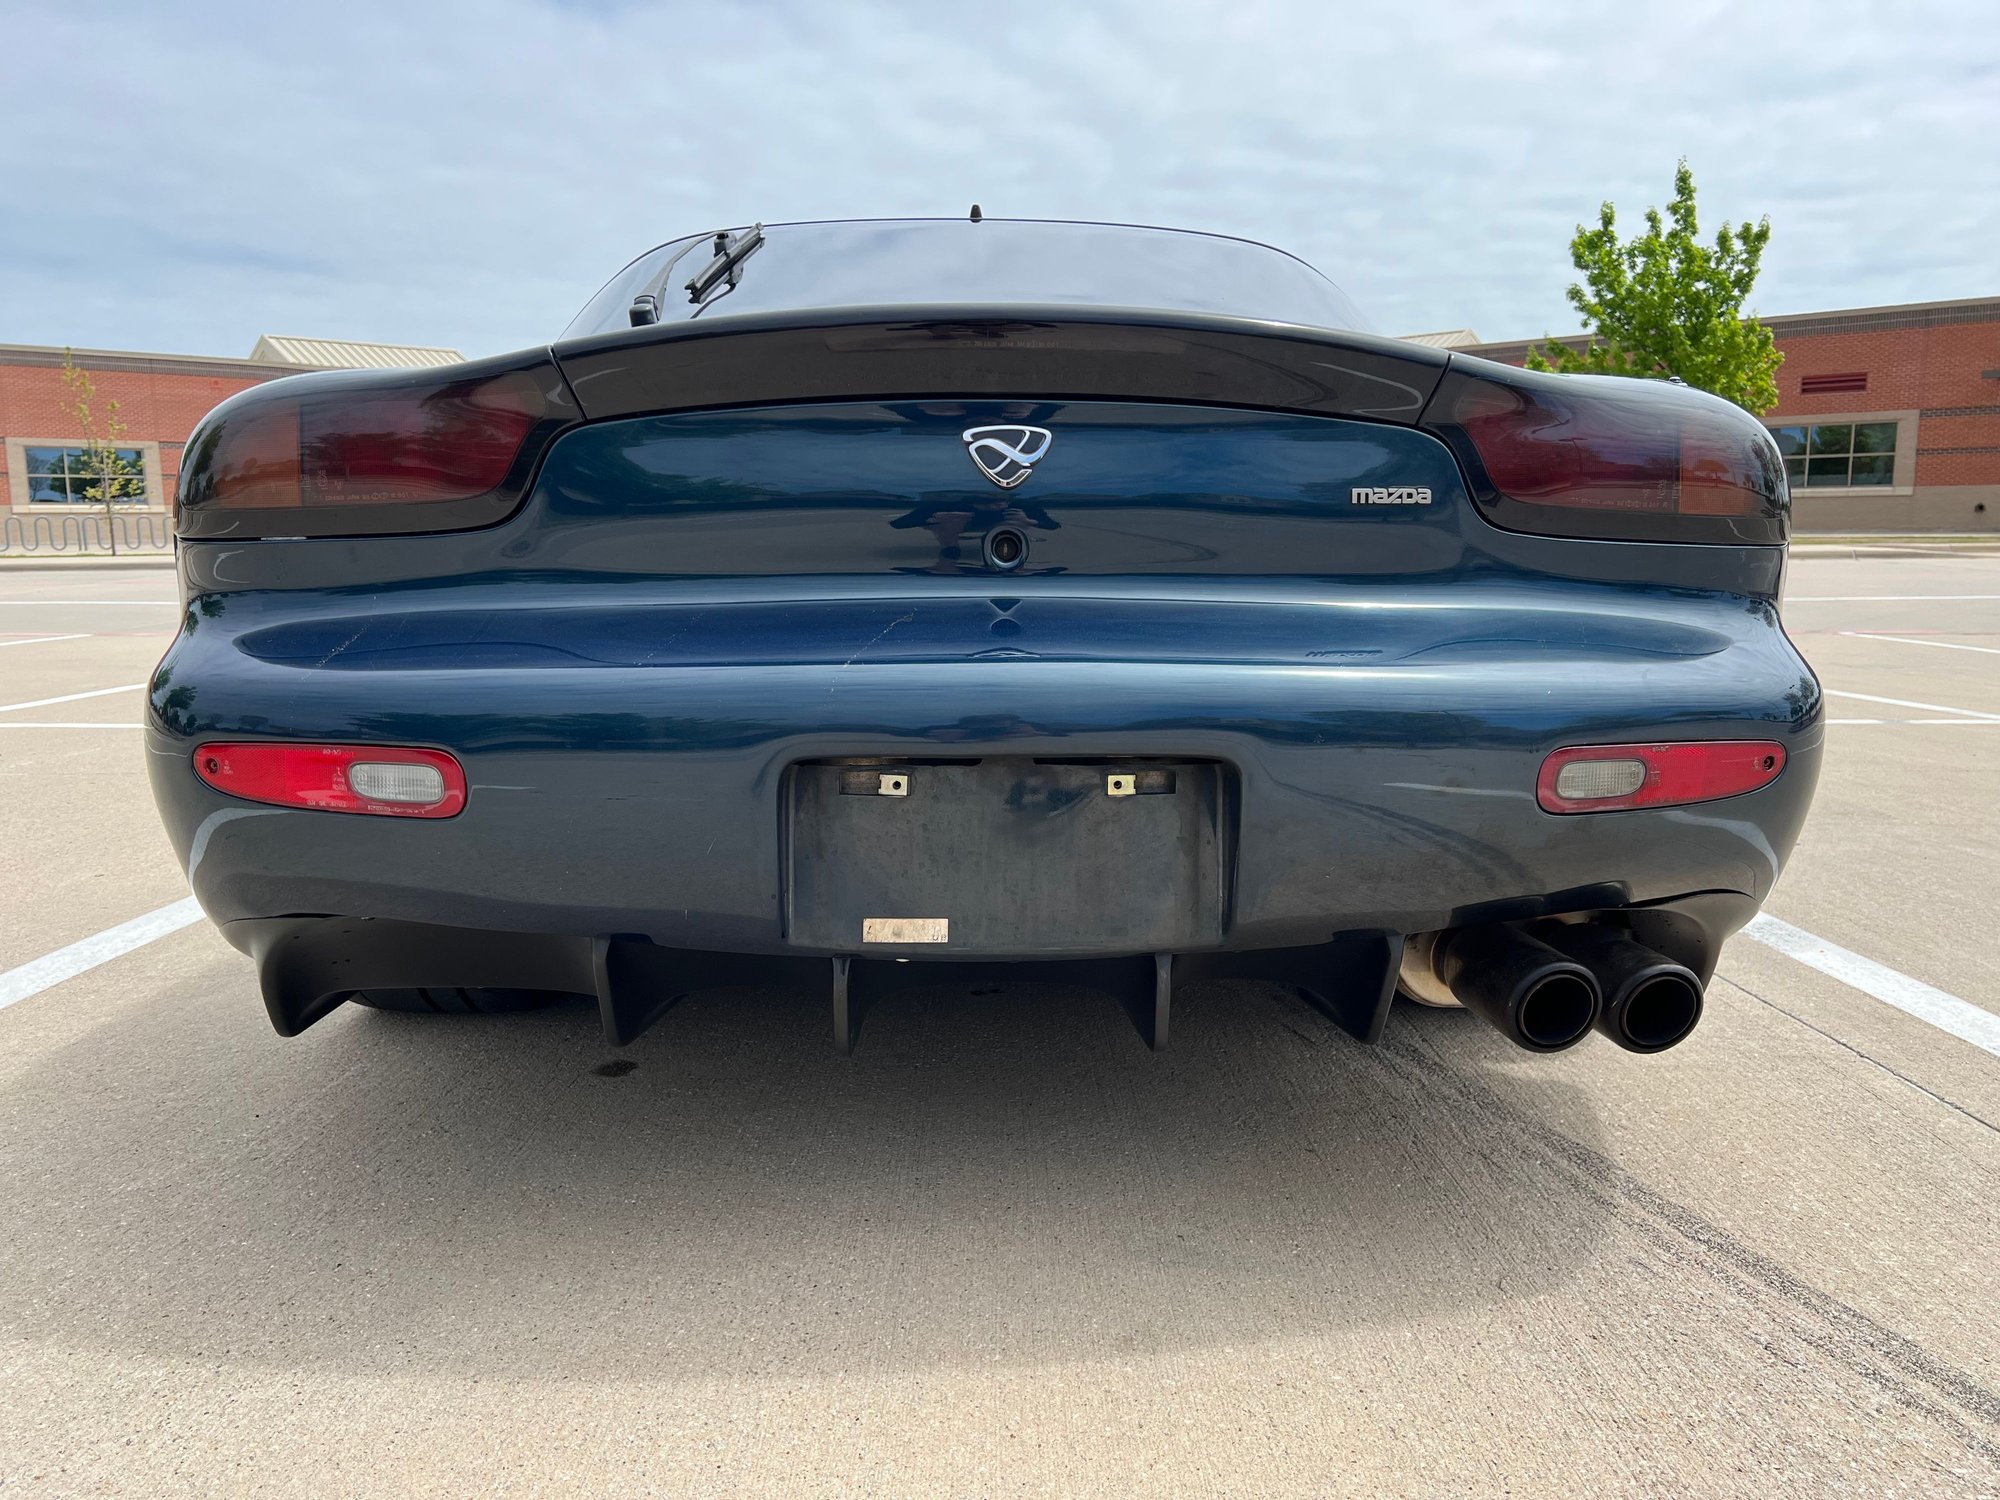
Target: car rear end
{"x":1139,"y":643}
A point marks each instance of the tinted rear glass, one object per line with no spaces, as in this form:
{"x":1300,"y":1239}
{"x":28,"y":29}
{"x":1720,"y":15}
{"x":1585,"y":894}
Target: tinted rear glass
{"x":929,"y":262}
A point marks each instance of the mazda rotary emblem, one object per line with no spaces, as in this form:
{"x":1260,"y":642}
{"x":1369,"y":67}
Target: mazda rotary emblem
{"x":1006,"y":455}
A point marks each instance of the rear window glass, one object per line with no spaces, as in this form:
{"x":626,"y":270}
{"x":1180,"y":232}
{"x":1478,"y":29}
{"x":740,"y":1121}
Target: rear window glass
{"x":889,"y":262}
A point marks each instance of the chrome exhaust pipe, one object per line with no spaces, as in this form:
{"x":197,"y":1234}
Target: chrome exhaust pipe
{"x":1651,"y":1003}
{"x":1539,"y":998}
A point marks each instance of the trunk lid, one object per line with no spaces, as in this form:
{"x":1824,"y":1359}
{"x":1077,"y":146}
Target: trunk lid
{"x":1034,"y":488}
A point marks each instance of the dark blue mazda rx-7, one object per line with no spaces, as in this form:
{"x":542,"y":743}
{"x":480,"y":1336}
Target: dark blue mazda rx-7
{"x":837,"y":601}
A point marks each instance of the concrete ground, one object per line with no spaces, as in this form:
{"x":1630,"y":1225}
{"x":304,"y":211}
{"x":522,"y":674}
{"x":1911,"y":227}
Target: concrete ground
{"x":1004,"y":1250}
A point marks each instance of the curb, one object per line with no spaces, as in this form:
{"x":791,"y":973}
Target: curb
{"x":1894,"y":549}
{"x":78,"y":562}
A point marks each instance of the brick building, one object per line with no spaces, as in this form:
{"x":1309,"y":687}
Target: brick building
{"x":160,"y":398}
{"x":1889,"y":416}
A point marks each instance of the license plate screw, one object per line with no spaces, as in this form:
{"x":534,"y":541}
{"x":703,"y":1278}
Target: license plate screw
{"x":895,"y":785}
{"x":1121,"y":786}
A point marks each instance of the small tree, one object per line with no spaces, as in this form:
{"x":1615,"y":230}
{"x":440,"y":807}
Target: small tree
{"x":1664,"y":304}
{"x":109,"y":476}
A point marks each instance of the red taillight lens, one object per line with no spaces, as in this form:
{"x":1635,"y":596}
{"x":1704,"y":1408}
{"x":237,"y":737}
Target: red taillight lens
{"x":1606,"y":778}
{"x":412,"y":448}
{"x":1635,"y":460}
{"x":399,"y":448}
{"x":387,"y":781}
{"x":341,"y":455}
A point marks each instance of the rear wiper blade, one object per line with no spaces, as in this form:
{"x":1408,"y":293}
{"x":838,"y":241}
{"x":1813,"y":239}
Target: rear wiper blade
{"x":728,"y":263}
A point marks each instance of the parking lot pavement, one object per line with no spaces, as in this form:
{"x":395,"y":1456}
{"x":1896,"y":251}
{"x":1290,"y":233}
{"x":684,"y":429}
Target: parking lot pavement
{"x":1003,"y":1249}
{"x":77,"y":856}
{"x":1902,"y":851}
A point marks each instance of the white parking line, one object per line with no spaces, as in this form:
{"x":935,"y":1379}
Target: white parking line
{"x":1961,"y":1018}
{"x":1989,"y":723}
{"x":93,"y":603}
{"x":1908,"y":640}
{"x":1935,"y":708}
{"x":121,"y":724}
{"x":33,"y":977}
{"x":43,"y":640}
{"x":130,"y":687}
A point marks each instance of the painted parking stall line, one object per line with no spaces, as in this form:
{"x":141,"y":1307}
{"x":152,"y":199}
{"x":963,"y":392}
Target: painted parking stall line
{"x":1913,"y":997}
{"x":1911,"y":640}
{"x":51,"y":969}
{"x":1932,"y":708}
{"x":130,"y":687}
{"x":43,"y":640}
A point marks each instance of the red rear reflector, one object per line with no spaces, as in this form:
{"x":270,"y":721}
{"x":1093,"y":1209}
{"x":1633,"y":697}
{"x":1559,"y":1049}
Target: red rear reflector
{"x":1606,"y":778}
{"x":388,"y":781}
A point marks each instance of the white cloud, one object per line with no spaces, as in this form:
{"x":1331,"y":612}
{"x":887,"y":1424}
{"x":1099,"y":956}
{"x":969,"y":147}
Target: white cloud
{"x":469,"y":174}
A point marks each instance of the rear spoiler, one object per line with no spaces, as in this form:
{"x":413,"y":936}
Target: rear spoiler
{"x":1569,"y":456}
{"x":1032,"y":353}
{"x":388,"y":452}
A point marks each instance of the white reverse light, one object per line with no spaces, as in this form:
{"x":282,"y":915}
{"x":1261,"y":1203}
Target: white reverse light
{"x":1592,"y":780}
{"x":392,"y":781}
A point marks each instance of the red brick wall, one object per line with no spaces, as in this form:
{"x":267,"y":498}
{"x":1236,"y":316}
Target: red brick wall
{"x":159,"y":401}
{"x":1937,"y":371}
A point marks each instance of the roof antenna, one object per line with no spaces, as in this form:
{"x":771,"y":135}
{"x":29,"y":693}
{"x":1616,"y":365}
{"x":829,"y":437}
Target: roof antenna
{"x":976,"y":215}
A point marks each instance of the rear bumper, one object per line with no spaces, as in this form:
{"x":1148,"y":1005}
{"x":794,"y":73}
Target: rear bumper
{"x":651,"y":801}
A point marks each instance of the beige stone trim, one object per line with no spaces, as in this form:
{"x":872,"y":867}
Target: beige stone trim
{"x":1949,"y":508}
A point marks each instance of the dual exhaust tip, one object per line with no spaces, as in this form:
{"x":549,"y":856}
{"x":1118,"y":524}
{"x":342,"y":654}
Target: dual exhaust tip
{"x":1547,"y":992}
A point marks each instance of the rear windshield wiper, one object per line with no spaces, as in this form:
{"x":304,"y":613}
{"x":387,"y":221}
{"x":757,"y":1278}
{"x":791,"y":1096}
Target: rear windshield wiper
{"x":729,"y":255}
{"x":728,"y":263}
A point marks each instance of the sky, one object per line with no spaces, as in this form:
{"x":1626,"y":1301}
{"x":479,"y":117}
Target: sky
{"x":184,"y":178}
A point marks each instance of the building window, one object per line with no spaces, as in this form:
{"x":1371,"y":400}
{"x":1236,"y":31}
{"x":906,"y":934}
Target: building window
{"x":76,"y":476}
{"x":1839,"y":455}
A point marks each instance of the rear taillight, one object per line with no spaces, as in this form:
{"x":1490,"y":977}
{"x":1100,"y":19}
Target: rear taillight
{"x":1606,"y":778}
{"x":1608,"y":456}
{"x":387,"y":781}
{"x":372,"y":452}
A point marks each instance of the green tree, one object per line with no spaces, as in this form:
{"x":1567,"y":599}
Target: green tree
{"x":109,"y":476}
{"x":1665,"y":305}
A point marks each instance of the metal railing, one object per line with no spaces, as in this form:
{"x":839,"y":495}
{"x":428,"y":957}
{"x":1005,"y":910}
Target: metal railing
{"x":142,"y":533}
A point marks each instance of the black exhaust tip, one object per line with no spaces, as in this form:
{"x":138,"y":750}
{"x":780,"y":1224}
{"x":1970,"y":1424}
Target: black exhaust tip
{"x":1539,"y":998}
{"x":1651,"y":1003}
{"x":1558,"y":1010}
{"x":1656,"y":1014}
